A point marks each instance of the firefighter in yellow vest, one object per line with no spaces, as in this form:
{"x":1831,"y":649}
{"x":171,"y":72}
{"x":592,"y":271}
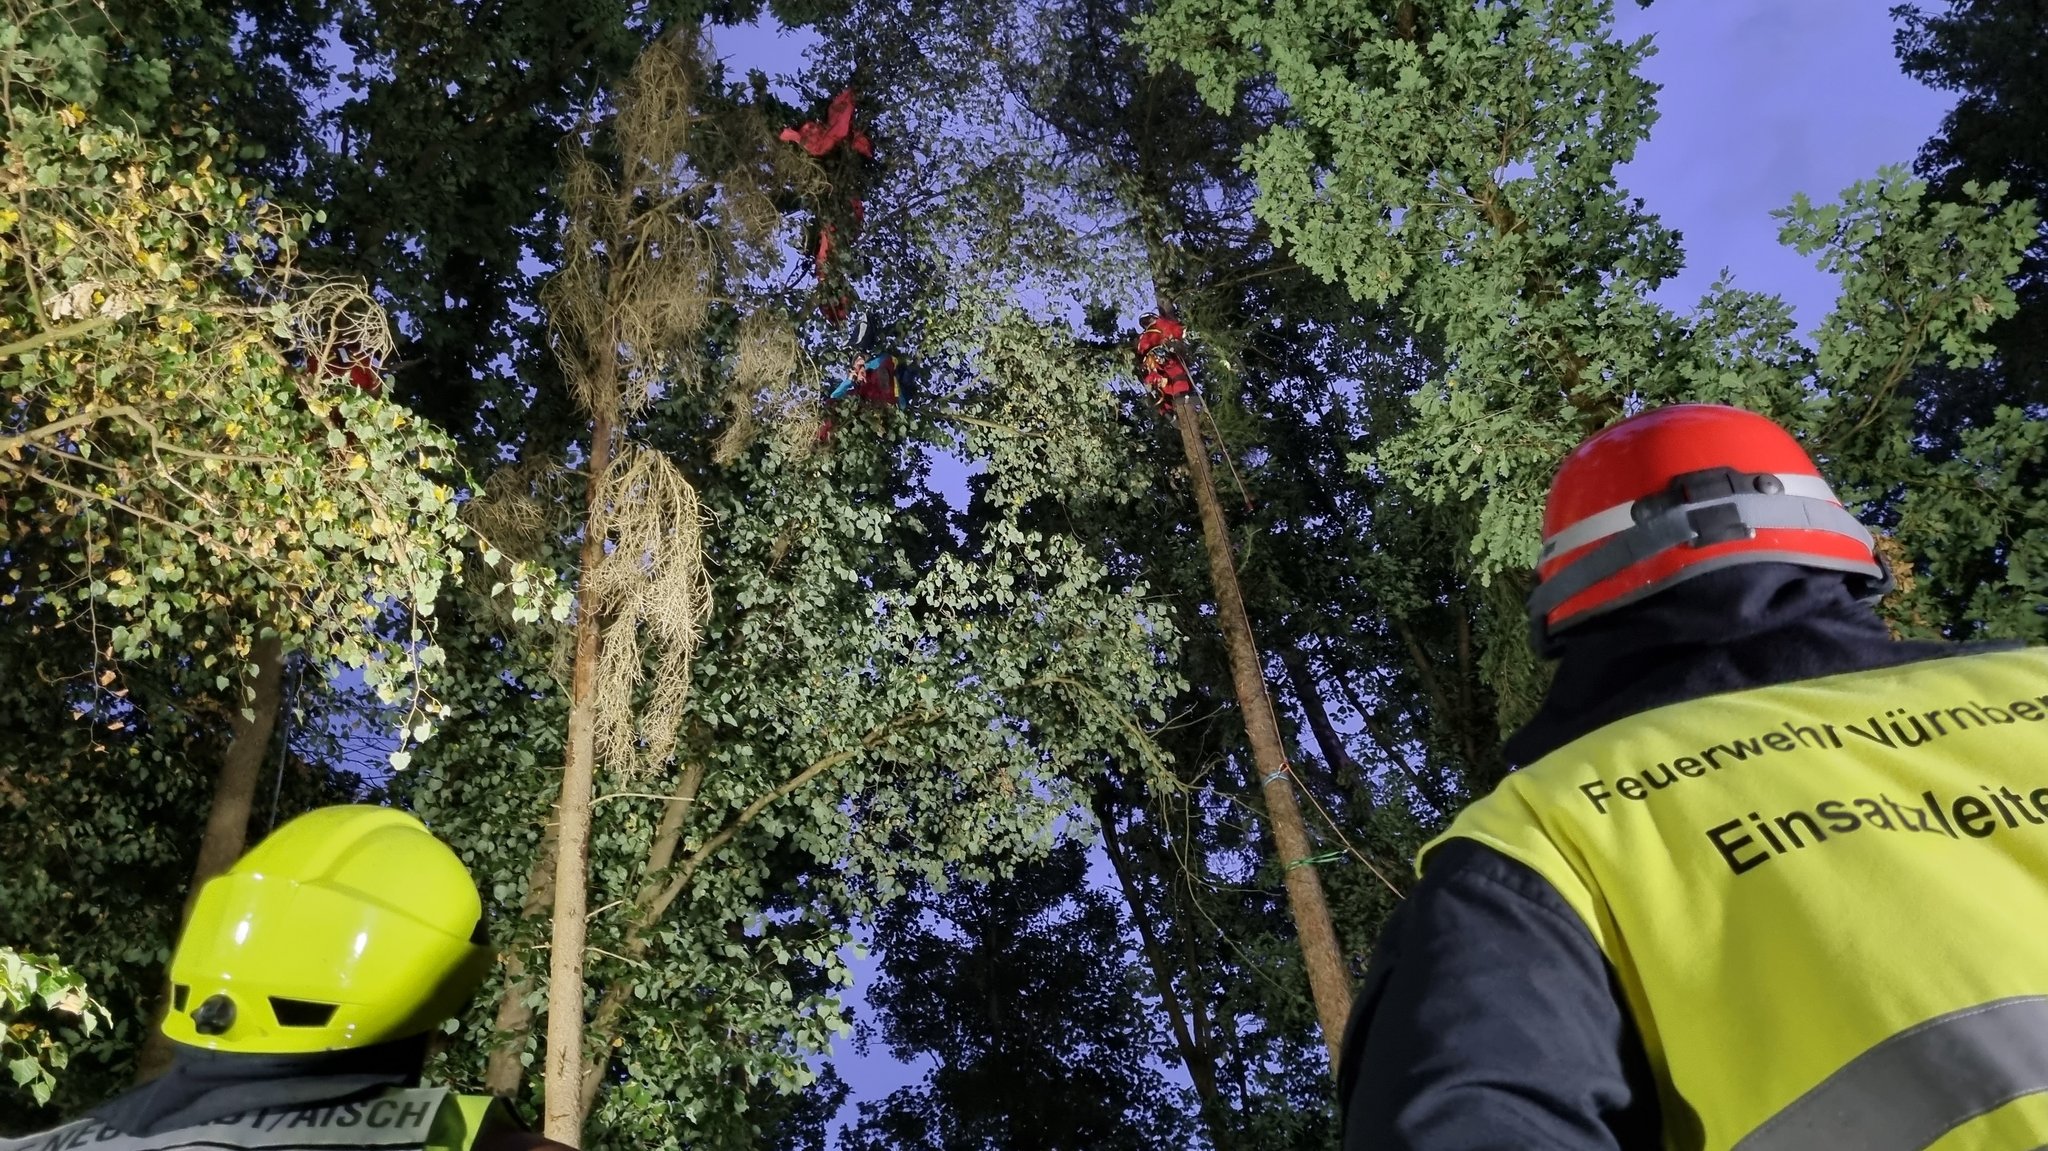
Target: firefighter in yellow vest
{"x":1765,"y":879}
{"x":303,"y":992}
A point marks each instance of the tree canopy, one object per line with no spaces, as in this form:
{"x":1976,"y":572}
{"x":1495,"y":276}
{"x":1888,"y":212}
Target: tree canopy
{"x":430,"y":405}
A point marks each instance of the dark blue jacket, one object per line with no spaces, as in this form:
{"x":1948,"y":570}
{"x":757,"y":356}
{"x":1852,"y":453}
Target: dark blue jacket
{"x":1489,"y":1017}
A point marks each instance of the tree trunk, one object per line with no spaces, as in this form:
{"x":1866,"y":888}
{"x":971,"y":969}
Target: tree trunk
{"x":1196,"y":1057}
{"x":564,"y":1064}
{"x":1391,"y":748}
{"x":1446,"y":708}
{"x":506,"y":1070}
{"x":1328,"y":984}
{"x":1309,"y":694}
{"x":227,"y":821}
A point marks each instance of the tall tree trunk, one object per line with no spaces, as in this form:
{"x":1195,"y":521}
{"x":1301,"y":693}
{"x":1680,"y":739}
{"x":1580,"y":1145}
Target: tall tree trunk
{"x":251,"y":720}
{"x":564,"y":1064}
{"x":1446,"y":707}
{"x":1200,"y":1062}
{"x":1309,"y":694}
{"x":1328,"y":984}
{"x":506,"y":1070}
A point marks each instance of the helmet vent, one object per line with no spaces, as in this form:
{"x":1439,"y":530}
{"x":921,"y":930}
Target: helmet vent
{"x":301,"y":1012}
{"x":180,"y":992}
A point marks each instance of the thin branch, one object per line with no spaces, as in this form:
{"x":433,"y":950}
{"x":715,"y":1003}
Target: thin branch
{"x":138,"y":513}
{"x":955,"y":414}
{"x":636,"y":943}
{"x":637,"y":795}
{"x":52,"y":335}
{"x":11,"y":443}
{"x":761,"y":803}
{"x":156,"y":442}
{"x":1201,"y":1069}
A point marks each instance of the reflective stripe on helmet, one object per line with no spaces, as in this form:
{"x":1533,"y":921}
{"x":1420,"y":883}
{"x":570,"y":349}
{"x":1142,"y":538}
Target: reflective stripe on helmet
{"x":1621,"y":517}
{"x":1686,"y":524}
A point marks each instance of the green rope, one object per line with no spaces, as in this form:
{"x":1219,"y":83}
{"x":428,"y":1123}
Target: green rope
{"x":1314,"y":860}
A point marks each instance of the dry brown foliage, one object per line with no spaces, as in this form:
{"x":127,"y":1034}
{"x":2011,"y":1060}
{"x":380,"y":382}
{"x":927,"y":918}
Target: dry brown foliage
{"x":517,"y":513}
{"x":511,"y":512}
{"x":772,"y":386}
{"x":654,"y":596}
{"x":651,"y":244}
{"x":638,"y":278}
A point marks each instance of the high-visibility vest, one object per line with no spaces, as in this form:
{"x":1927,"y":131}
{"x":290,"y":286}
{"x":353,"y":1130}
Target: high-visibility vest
{"x":400,"y":1119}
{"x":1826,"y":901}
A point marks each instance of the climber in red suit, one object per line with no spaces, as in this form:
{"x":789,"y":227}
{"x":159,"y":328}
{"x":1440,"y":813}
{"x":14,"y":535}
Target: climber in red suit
{"x":1162,"y":358}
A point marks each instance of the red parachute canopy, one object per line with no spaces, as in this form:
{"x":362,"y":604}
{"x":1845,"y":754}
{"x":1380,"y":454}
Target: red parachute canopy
{"x":818,"y":139}
{"x":824,"y":253}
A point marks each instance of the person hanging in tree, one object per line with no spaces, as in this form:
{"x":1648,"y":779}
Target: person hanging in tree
{"x":881,"y":379}
{"x":1162,"y":357}
{"x":879,"y":370}
{"x":877,"y":376}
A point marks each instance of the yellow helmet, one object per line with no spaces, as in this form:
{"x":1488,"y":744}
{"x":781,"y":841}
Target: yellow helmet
{"x":348,"y":926}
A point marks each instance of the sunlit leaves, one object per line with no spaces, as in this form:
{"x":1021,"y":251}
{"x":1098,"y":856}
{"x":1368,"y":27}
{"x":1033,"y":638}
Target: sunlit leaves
{"x":190,"y":424}
{"x":44,"y":1011}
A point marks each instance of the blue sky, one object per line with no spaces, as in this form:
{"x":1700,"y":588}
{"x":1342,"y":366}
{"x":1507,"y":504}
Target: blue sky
{"x":1762,"y":99}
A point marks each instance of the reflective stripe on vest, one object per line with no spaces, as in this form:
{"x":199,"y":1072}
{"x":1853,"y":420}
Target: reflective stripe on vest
{"x":1913,"y":1088}
{"x":1824,"y":901}
{"x":421,"y":1117}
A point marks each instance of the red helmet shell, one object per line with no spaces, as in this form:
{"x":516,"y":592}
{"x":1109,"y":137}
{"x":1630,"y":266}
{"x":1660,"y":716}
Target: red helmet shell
{"x":1598,"y":497}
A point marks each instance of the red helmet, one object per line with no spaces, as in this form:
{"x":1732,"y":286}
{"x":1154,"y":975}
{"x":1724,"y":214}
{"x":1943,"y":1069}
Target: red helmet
{"x":1678,"y":492}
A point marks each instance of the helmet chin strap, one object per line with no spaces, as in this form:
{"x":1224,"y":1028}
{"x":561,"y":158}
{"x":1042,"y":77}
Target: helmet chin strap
{"x":1870,"y":589}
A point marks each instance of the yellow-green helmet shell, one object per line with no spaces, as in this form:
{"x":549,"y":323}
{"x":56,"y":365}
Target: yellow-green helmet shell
{"x":346,"y":927}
